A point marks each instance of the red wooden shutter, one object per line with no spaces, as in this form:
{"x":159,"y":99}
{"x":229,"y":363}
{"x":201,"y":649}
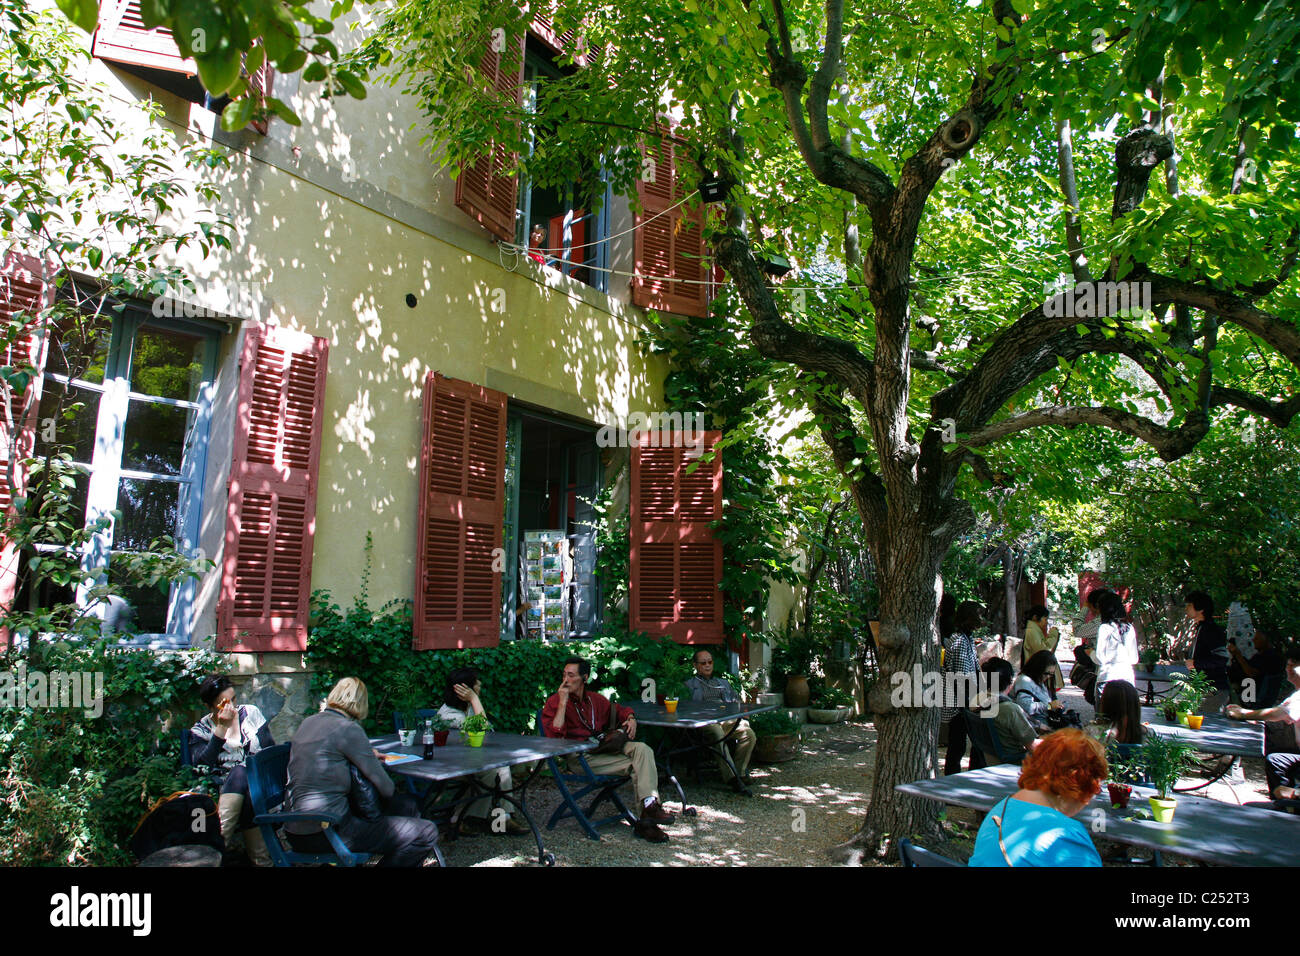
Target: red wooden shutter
{"x":24,"y":287}
{"x":543,"y":27}
{"x":122,"y":37}
{"x":261,"y":81}
{"x":462,"y":505}
{"x":669,"y":248}
{"x":676,"y":562}
{"x":271,"y":515}
{"x":485,"y":189}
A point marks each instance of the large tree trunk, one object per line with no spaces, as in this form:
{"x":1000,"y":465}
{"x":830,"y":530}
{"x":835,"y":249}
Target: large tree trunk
{"x":906,"y":736}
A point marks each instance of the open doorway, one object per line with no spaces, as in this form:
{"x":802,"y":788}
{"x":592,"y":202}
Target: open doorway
{"x":549,"y":589}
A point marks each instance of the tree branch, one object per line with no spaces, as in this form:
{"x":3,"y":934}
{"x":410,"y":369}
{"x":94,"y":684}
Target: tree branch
{"x":1169,"y":443}
{"x":1073,"y":226}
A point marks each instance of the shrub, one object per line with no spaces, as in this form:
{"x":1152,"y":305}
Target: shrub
{"x":76,"y":784}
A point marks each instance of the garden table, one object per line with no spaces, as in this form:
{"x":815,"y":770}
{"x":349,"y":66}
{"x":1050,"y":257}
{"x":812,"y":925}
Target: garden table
{"x":692,"y":716}
{"x":459,"y":763}
{"x":1218,"y":833}
{"x":1161,"y":673}
{"x":1218,"y":735}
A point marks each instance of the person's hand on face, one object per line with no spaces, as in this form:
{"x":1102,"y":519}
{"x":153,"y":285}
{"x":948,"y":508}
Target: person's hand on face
{"x":464,"y":692}
{"x":224,"y":711}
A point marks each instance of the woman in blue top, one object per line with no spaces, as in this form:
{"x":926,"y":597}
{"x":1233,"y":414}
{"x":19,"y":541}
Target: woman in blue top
{"x":1034,"y":826}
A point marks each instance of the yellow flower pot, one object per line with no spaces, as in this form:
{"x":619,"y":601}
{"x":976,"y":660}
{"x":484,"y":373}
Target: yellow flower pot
{"x":1162,"y":808}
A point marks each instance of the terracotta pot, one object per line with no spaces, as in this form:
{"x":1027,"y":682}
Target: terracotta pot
{"x":440,"y":738}
{"x":797,"y":692}
{"x":1119,"y":794}
{"x":777,"y":749}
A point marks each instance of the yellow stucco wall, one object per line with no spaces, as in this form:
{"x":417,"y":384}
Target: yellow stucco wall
{"x":341,"y":266}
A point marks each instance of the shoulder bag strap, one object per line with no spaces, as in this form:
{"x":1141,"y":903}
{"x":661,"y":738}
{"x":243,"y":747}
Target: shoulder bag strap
{"x":998,"y":820}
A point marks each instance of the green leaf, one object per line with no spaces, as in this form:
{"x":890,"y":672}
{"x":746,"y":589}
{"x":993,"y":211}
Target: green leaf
{"x":351,"y":84}
{"x":238,"y":114}
{"x":219,"y":70}
{"x":84,"y":13}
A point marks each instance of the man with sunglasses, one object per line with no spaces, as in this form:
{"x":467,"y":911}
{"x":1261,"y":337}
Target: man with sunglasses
{"x":708,"y":689}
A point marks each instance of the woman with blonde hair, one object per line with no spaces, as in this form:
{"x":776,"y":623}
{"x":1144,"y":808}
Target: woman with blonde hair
{"x":325,"y":748}
{"x":1035,"y":825}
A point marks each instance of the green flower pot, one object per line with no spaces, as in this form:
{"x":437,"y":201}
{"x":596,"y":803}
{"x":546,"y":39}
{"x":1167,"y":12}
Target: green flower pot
{"x":476,"y":740}
{"x":1183,"y":715}
{"x":1163,"y":808}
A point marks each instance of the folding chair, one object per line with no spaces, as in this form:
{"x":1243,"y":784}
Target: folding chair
{"x":911,"y":855}
{"x":268,"y":773}
{"x":605,"y":786}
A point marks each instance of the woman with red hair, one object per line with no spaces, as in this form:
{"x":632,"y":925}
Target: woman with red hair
{"x":1033,"y":827}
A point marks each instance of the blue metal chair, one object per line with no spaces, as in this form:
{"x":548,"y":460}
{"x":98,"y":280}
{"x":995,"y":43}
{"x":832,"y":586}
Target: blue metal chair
{"x":605,"y":786}
{"x":186,"y":760}
{"x":911,"y":855}
{"x":268,"y":773}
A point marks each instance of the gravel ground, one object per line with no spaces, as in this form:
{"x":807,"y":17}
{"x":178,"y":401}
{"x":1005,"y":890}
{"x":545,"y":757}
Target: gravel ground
{"x":800,"y":809}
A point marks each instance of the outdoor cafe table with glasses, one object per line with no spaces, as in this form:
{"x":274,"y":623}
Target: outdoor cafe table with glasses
{"x":460,"y":764}
{"x":1160,"y":674}
{"x":689,"y":719}
{"x":1222,"y":834}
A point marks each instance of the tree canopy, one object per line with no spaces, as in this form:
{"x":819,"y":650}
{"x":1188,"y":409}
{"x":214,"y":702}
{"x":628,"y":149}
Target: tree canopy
{"x":1011,"y":219}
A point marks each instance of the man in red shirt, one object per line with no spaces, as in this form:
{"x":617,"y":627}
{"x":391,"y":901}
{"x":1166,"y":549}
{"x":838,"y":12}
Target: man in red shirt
{"x":575,"y":713}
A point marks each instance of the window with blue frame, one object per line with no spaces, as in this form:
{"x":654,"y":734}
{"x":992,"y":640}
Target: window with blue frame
{"x":139,"y":438}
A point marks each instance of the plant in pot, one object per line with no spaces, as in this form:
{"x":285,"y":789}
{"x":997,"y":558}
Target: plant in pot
{"x":1190,"y":692}
{"x":1149,"y":658}
{"x":778,"y":736}
{"x":830,"y":706}
{"x":1163,"y":760}
{"x":672,"y":678}
{"x":794,"y":659}
{"x":440,"y":730}
{"x":751,"y":682}
{"x":475,"y":729}
{"x":406,"y":704}
{"x":1122,"y":772}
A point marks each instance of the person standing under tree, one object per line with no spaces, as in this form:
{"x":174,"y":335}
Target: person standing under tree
{"x":960,"y":672}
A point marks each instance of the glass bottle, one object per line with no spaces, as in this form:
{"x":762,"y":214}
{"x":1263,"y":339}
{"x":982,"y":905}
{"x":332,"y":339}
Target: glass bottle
{"x":428,"y":740}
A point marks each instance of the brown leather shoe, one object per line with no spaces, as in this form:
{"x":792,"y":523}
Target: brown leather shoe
{"x":655,"y":813}
{"x":649,"y":831}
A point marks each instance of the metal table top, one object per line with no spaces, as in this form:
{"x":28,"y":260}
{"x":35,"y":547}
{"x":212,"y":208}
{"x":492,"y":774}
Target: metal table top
{"x":1206,"y":830}
{"x":459,"y":759}
{"x":1218,"y":735}
{"x":691,"y":715}
{"x":1162,"y":672}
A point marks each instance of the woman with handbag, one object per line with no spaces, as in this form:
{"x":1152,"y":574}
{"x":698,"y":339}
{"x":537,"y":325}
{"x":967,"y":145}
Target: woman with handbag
{"x":332,"y":769}
{"x":1035,"y":825}
{"x":1030,"y":690}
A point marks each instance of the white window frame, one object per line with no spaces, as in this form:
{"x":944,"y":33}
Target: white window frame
{"x":106,"y":471}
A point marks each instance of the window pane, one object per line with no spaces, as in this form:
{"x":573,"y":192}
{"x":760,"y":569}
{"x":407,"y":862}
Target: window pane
{"x":150,"y":510}
{"x":59,"y":426}
{"x":79,"y":350}
{"x":56,"y":529}
{"x":144,"y":611}
{"x":167,"y":363}
{"x":155,"y":437}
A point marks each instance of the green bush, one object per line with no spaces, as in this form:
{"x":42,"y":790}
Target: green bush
{"x":517,"y":676}
{"x":773,"y":723}
{"x":76,"y":784}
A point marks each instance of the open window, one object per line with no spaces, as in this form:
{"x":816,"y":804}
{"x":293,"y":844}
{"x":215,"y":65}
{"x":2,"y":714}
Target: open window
{"x":564,"y":226}
{"x":141,"y":391}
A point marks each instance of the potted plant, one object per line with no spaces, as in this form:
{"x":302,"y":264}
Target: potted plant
{"x":1163,"y":760}
{"x":475,"y":729}
{"x":778,"y":736}
{"x":1122,"y":773}
{"x":440,"y":730}
{"x":406,"y":704}
{"x":830,"y":706}
{"x":1149,"y":658}
{"x":1191,"y":690}
{"x":794,"y":659}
